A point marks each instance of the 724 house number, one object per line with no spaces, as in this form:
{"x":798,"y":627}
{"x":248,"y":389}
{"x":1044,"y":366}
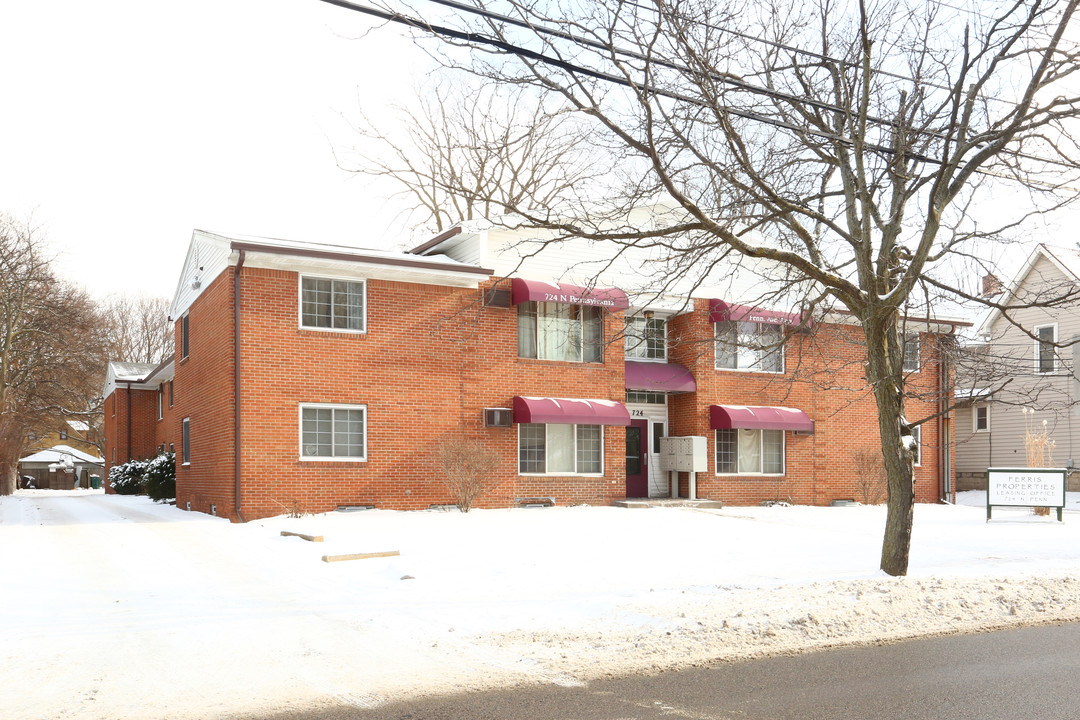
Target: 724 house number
{"x":637,"y":413}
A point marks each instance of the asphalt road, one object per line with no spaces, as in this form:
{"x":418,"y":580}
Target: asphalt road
{"x":1007,"y":675}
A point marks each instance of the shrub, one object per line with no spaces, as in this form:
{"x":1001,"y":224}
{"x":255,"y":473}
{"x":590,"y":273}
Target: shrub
{"x":870,"y":469}
{"x":464,"y":464}
{"x":128,"y":478}
{"x":161,"y":477}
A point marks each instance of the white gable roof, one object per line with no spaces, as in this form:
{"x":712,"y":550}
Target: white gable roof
{"x":1064,"y":259}
{"x":58,"y":453}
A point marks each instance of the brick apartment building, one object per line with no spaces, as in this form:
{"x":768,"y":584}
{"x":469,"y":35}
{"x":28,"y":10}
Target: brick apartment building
{"x":315,"y":376}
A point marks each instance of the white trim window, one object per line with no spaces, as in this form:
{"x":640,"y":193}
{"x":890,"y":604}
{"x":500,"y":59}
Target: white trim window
{"x":185,"y":433}
{"x":1045,"y":356}
{"x":646,"y":338}
{"x":980,"y":418}
{"x":912,"y":346}
{"x":560,"y":331}
{"x":333,"y":304}
{"x":333,"y":432}
{"x":160,"y":403}
{"x":916,"y":445}
{"x":185,"y":336}
{"x":750,"y":346}
{"x":750,"y":452}
{"x":555,"y":449}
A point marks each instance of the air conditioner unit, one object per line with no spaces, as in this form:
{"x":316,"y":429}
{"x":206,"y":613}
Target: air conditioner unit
{"x":498,"y":417}
{"x":497,"y":297}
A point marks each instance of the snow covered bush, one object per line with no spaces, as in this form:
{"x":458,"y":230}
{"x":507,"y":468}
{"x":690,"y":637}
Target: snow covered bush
{"x":161,"y":477}
{"x":128,"y":478}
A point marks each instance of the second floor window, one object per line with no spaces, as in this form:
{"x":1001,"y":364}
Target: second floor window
{"x":1045,"y":361}
{"x":753,"y":346}
{"x":332,"y":304}
{"x":560,"y":331}
{"x":645,"y":338}
{"x":911,"y":352}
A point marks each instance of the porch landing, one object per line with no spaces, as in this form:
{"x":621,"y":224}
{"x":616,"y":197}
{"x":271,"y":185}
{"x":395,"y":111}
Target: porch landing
{"x":668,"y":502}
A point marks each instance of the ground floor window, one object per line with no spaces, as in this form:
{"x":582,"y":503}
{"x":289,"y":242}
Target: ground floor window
{"x":333,"y":432}
{"x":560,"y":449}
{"x":750,"y":452}
{"x":186,"y":441}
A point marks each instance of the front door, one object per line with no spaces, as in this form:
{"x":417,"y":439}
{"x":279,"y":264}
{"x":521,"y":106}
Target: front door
{"x":637,"y":459}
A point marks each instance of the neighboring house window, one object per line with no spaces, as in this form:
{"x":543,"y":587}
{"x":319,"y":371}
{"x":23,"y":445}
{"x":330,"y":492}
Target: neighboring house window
{"x":160,"y":402}
{"x":170,"y":393}
{"x":1045,"y":358}
{"x":911,"y":352}
{"x":560,"y":449}
{"x":31,"y":437}
{"x":184,"y":337}
{"x":749,"y":346}
{"x":749,"y":452}
{"x":646,"y":338}
{"x":63,"y":434}
{"x":333,"y":432}
{"x":332,"y":304}
{"x":172,"y":450}
{"x":980,"y":418}
{"x":560,"y":331}
{"x":916,"y":445}
{"x":186,"y":441}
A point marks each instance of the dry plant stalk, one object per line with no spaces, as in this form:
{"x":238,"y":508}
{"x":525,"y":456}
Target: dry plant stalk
{"x":464,"y":464}
{"x":1038,"y":446}
{"x":870,"y":469}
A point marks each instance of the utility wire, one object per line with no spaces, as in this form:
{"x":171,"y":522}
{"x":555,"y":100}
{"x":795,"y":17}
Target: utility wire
{"x":575,"y":69}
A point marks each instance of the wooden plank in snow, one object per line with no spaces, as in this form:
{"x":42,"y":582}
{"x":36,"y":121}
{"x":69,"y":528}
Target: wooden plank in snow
{"x":309,"y":538}
{"x":359,"y":556}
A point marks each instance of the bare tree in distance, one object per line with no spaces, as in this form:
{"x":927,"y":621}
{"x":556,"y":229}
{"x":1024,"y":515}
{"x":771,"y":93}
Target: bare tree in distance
{"x":50,"y":346}
{"x":137,"y":329}
{"x":468,"y":151}
{"x":850,"y":145}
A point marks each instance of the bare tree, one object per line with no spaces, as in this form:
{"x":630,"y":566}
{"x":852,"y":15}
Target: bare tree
{"x":470,"y":151}
{"x":846,"y":145}
{"x":50,"y":340}
{"x":464,"y":465}
{"x":137,"y":329}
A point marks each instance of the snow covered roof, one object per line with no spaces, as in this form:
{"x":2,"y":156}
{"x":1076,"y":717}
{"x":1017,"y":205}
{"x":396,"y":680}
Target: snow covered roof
{"x":78,"y":425}
{"x":58,"y":453}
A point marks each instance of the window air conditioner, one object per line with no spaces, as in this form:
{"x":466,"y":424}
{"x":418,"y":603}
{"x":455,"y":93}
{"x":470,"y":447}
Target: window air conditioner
{"x":498,"y":417}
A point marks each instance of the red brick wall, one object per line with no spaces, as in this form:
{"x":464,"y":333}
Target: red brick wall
{"x":432,"y":359}
{"x":824,"y":377}
{"x":203,"y":392}
{"x":143,"y":408}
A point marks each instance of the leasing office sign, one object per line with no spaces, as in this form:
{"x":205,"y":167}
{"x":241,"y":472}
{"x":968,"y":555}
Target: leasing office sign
{"x":1025,"y":487}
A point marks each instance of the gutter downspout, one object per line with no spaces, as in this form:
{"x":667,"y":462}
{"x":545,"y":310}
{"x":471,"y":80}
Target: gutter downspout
{"x":236,"y":386}
{"x":945,"y":420}
{"x":128,"y":420}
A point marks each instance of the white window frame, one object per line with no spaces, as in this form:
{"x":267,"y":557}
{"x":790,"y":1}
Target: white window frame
{"x":332,"y":278}
{"x":160,"y":402}
{"x":185,"y":441}
{"x":917,"y":339}
{"x":185,"y":336}
{"x":737,"y":473}
{"x":574,"y":435}
{"x":782,"y":349}
{"x":331,"y":458}
{"x":1038,"y":349}
{"x":635,"y":341}
{"x":916,"y":432}
{"x":975,"y":418}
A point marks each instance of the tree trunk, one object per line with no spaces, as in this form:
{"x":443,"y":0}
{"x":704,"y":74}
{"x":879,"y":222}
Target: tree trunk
{"x":885,"y":352}
{"x":8,"y":478}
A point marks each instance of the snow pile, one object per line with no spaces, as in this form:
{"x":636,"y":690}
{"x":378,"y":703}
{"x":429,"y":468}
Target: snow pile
{"x":125,"y":608}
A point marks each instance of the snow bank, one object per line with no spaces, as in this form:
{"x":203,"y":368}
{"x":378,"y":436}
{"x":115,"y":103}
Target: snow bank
{"x":130,"y":609}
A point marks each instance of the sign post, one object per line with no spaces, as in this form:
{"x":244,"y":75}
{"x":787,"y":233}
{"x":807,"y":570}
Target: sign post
{"x":1025,"y":487}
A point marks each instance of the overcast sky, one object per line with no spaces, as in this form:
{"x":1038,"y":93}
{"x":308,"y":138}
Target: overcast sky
{"x":128,"y":123}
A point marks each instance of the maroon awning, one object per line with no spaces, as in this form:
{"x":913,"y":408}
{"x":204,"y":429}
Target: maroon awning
{"x":719,"y":311}
{"x":526,"y":290}
{"x":566,"y":411}
{"x":726,"y":417}
{"x":659,"y":377}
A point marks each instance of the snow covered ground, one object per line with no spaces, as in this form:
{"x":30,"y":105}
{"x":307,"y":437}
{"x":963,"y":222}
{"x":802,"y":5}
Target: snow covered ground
{"x":118,"y":607}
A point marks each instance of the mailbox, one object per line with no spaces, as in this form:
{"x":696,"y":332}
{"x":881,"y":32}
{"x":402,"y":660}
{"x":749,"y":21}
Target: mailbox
{"x":684,"y":454}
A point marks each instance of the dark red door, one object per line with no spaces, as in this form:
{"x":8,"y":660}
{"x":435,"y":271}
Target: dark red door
{"x":637,"y":459}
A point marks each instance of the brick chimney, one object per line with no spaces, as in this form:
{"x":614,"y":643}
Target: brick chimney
{"x":991,"y":286}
